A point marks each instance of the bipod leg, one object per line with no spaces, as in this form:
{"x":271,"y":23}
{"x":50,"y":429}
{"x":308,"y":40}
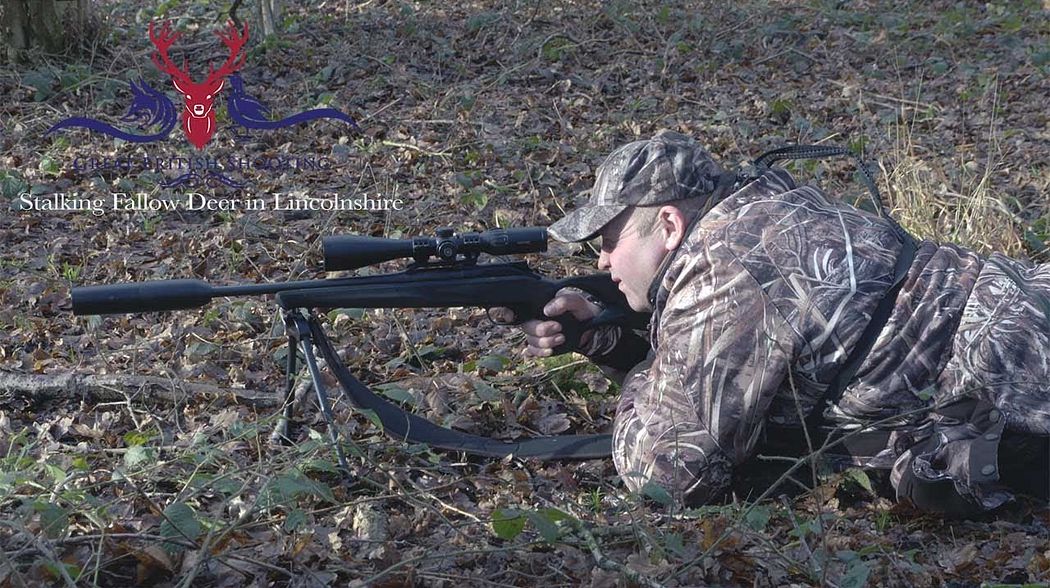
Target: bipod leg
{"x":280,"y":431}
{"x":303,"y":333}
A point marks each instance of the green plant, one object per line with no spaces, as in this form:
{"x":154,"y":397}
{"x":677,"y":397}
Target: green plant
{"x":70,"y":271}
{"x":557,"y":47}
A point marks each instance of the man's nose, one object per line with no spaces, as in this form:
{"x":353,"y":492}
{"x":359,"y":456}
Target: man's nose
{"x":603,"y":260}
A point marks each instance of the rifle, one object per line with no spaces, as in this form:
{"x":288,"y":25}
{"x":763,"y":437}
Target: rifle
{"x":444,"y":273}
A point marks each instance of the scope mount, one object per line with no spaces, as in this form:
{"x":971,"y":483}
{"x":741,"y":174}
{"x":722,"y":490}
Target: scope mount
{"x":446,"y":249}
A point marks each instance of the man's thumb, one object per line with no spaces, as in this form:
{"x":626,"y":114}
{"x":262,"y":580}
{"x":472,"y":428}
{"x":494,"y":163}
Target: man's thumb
{"x":577,"y":306}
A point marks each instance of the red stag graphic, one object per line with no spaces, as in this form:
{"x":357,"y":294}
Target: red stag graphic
{"x":198,"y":119}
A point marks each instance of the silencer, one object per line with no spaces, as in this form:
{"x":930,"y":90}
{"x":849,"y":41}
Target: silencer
{"x":141,"y":297}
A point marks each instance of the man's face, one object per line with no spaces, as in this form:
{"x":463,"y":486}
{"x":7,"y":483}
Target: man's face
{"x":631,"y":253}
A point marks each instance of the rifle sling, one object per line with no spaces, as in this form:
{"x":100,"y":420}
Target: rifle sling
{"x":411,"y":428}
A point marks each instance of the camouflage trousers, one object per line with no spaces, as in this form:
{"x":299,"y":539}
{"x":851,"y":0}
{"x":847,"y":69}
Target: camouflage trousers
{"x":1001,"y":350}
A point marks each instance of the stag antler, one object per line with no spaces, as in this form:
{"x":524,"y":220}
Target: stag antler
{"x":234,"y":40}
{"x":162,"y":42}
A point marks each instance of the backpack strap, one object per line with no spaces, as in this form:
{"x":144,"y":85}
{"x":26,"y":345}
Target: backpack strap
{"x":879,"y":317}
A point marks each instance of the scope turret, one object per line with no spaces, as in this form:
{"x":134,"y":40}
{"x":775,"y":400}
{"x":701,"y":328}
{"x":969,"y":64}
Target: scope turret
{"x":347,"y":252}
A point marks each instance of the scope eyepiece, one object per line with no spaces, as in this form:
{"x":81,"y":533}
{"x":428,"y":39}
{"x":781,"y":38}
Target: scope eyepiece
{"x":351,"y":252}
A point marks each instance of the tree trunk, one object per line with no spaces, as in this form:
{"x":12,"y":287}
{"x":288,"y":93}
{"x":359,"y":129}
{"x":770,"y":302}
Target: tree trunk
{"x":28,"y":24}
{"x":270,"y":16}
{"x":47,"y":27}
{"x":14,"y":26}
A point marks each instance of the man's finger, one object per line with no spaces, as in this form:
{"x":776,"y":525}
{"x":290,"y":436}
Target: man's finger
{"x":541,"y":328}
{"x":546,"y":342}
{"x":539,"y":351}
{"x":578,"y":306}
{"x":555,"y":307}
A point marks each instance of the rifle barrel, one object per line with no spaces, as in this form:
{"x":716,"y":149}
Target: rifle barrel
{"x":162,"y":295}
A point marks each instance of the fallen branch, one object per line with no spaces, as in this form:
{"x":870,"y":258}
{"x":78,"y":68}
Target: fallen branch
{"x":106,"y":387}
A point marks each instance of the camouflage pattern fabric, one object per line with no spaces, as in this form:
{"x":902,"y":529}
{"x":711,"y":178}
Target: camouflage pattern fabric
{"x":670,"y":166}
{"x":763,"y":302}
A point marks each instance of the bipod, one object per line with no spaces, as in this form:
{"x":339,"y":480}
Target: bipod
{"x":301,"y":330}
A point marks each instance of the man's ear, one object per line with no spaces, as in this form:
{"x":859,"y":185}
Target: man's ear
{"x":672,"y":226}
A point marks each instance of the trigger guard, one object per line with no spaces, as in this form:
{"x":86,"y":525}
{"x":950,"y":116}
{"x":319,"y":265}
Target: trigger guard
{"x":516,"y":321}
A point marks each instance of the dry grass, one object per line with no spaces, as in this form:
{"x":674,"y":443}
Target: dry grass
{"x":956,"y":202}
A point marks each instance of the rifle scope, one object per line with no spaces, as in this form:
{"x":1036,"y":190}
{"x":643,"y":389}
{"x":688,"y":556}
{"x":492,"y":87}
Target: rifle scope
{"x":349,"y":252}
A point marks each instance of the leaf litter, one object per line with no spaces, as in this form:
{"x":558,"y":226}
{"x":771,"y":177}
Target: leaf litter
{"x":477,"y":115}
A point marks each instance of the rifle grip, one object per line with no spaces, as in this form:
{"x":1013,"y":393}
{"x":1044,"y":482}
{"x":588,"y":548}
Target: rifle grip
{"x":572,"y":330}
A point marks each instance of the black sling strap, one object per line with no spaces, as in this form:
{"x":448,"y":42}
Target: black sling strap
{"x":412,"y":428}
{"x":789,"y":152}
{"x":871,"y":332}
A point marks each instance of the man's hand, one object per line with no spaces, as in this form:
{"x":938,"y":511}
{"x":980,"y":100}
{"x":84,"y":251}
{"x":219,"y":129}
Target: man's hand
{"x":543,"y":336}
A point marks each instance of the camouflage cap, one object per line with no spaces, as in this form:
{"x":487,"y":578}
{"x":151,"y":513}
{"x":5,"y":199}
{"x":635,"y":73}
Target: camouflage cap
{"x":668,"y":167}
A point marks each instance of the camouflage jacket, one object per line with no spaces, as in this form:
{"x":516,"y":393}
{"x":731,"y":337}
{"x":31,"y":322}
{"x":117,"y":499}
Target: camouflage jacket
{"x":764,"y":301}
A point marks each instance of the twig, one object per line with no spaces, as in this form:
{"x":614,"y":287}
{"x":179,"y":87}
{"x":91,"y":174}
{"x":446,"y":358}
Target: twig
{"x":794,"y":50}
{"x":444,"y":504}
{"x":233,"y":13}
{"x":410,"y":147}
{"x":43,"y":548}
{"x":446,"y":555}
{"x":381,"y":109}
{"x":16,"y":575}
{"x":604,"y":562}
{"x":915,"y":103}
{"x":801,"y":532}
{"x":113,"y":387}
{"x":172,"y":541}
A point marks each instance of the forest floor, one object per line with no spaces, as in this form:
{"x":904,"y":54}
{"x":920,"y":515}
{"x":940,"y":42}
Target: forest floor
{"x":475,"y":115}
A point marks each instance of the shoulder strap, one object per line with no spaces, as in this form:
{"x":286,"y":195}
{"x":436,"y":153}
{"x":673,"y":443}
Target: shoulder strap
{"x":763,"y":162}
{"x":871,"y":332}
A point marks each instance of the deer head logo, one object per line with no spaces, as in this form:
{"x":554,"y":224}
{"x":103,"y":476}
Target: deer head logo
{"x":153,"y":109}
{"x":198,"y":116}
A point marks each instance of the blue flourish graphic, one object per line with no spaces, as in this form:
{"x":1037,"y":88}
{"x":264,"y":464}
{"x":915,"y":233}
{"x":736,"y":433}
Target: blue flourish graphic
{"x":148,"y":109}
{"x":250,"y":113}
{"x":197,"y":179}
